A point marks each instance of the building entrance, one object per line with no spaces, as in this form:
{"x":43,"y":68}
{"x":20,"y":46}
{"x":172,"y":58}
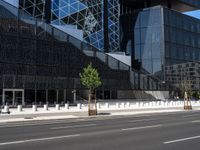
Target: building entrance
{"x":13,"y":97}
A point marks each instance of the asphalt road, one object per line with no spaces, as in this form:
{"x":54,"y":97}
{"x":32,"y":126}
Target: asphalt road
{"x":174,"y":131}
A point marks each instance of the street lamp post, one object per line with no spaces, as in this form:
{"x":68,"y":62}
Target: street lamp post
{"x":74,"y":95}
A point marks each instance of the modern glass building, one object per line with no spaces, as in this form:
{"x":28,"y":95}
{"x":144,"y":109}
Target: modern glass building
{"x":160,"y":36}
{"x":46,"y":43}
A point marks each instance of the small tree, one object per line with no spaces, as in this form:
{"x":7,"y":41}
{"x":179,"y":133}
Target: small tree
{"x":185,"y":86}
{"x":90,"y":79}
{"x":186,"y":90}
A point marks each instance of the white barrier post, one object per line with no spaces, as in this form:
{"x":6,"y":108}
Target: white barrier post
{"x":128,"y":104}
{"x":157,"y":104}
{"x":45,"y":107}
{"x":19,"y":108}
{"x":148,"y":104}
{"x":34,"y":107}
{"x":122,"y":105}
{"x":117,"y":105}
{"x":67,"y":106}
{"x":137,"y":104}
{"x":57,"y":107}
{"x":107,"y":105}
{"x":98,"y":106}
{"x":6,"y":109}
{"x":79,"y":106}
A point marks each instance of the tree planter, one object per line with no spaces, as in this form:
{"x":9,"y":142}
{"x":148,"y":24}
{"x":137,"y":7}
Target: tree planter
{"x":92,"y":112}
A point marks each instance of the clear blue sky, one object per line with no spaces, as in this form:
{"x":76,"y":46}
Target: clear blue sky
{"x":195,"y":14}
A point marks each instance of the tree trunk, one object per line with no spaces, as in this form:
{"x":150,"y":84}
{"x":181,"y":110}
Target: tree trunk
{"x":92,"y":108}
{"x":89,"y":101}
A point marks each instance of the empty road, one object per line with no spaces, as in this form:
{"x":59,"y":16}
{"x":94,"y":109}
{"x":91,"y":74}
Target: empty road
{"x":166,"y":131}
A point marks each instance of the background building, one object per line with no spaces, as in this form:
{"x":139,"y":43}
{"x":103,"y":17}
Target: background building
{"x":160,"y":36}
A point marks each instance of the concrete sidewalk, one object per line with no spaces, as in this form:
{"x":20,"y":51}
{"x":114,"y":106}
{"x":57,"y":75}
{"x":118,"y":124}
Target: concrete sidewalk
{"x":27,"y":115}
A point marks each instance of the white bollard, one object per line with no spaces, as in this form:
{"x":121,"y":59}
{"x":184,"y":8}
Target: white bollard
{"x":107,"y":105}
{"x":117,"y":105}
{"x":137,"y":104}
{"x":19,"y":108}
{"x":128,"y":105}
{"x":171,"y":104}
{"x":158,"y":104}
{"x":122,"y":105}
{"x":98,"y":106}
{"x":6,"y":109}
{"x":154,"y":104}
{"x":151,"y":104}
{"x":45,"y":107}
{"x":79,"y":106}
{"x":57,"y":107}
{"x":34,"y":107}
{"x":66,"y":106}
{"x":148,"y":104}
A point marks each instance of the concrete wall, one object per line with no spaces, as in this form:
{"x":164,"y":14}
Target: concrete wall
{"x":71,"y":30}
{"x":148,"y":95}
{"x":121,"y":57}
{"x":159,"y":94}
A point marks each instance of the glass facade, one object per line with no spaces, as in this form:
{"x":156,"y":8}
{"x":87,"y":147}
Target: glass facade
{"x":182,"y":39}
{"x":145,"y":33}
{"x":33,"y":7}
{"x":37,"y":57}
{"x":182,"y":48}
{"x":82,"y":16}
{"x":148,"y":43}
{"x":163,"y":43}
{"x":83,"y":19}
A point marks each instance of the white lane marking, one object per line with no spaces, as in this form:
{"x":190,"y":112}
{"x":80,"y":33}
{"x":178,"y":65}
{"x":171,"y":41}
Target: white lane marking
{"x":73,"y":126}
{"x":143,"y":120}
{"x":145,"y":127}
{"x":182,"y":140}
{"x":30,"y":124}
{"x":39,"y":139}
{"x":196,"y":121}
{"x":193,"y":115}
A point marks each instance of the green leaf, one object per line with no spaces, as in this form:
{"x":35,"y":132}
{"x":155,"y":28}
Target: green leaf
{"x":90,"y":77}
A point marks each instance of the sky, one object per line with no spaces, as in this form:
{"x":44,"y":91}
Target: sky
{"x":195,"y":14}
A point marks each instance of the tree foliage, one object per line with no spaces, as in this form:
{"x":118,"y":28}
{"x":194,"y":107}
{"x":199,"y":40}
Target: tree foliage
{"x":185,"y":86}
{"x":90,"y":77}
